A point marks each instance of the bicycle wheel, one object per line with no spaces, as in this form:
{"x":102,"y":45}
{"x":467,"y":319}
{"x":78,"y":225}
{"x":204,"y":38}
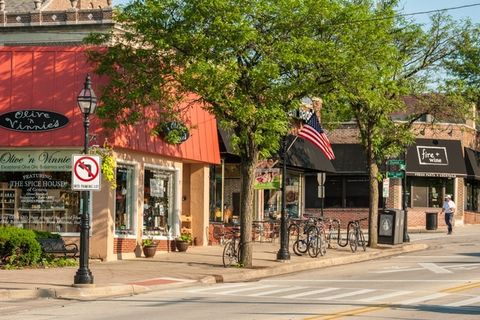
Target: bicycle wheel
{"x":361,"y":240}
{"x":239,"y":252}
{"x":230,"y":256}
{"x":300,"y":247}
{"x":313,"y":244}
{"x":352,"y":240}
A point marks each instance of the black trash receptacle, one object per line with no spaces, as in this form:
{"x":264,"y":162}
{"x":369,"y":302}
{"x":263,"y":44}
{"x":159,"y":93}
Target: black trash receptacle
{"x":432,"y":220}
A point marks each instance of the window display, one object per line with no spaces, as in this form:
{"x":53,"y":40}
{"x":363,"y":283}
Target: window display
{"x":158,"y":202}
{"x":41,"y":201}
{"x":124,"y":200}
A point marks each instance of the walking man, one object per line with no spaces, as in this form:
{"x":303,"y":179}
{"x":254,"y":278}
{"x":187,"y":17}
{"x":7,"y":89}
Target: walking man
{"x":448,"y":208}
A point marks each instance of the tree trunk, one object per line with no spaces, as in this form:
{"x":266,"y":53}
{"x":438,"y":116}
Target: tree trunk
{"x":246,"y":215}
{"x":373,"y":206}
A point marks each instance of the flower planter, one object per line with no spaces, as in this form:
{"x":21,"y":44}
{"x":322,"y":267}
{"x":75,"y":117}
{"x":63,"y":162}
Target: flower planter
{"x":149,"y":251}
{"x":182,"y":246}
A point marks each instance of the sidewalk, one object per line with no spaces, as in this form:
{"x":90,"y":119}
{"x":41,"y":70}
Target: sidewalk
{"x":198,"y":264}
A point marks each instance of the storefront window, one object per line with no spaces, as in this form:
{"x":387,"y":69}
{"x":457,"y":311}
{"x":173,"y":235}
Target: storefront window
{"x":41,"y":201}
{"x":429,"y":192}
{"x":472,"y":201}
{"x":357,"y":192}
{"x":293,"y":196}
{"x":333,"y":192}
{"x":124,"y":212}
{"x":158,"y":202}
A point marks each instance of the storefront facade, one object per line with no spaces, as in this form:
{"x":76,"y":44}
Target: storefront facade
{"x":161,"y":190}
{"x":442,"y":161}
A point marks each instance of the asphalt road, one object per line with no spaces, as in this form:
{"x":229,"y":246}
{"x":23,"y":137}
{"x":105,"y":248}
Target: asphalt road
{"x":440,"y":283}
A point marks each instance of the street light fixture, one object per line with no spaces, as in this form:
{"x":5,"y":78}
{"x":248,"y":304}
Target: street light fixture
{"x":87,"y":102}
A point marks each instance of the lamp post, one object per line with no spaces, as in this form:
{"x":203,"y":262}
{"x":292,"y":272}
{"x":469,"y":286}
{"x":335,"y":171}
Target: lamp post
{"x":87,"y":102}
{"x":406,"y":237}
{"x":283,"y":253}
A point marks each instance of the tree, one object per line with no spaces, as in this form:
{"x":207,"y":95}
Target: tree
{"x":394,"y":58}
{"x":248,"y":62}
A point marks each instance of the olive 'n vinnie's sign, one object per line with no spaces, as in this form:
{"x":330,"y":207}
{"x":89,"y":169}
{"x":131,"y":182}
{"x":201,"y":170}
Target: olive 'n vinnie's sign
{"x":32,"y":120}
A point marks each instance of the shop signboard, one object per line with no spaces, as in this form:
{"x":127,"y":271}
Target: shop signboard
{"x":267,"y":178}
{"x":35,"y":160}
{"x":32,"y":120}
{"x":432,"y":156}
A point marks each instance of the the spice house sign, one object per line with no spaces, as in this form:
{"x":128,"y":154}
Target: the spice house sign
{"x":32,"y":120}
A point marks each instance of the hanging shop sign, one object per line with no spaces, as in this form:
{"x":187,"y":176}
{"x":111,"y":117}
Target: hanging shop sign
{"x":32,"y":120}
{"x":432,"y":156}
{"x":35,"y":160}
{"x":267,"y":178}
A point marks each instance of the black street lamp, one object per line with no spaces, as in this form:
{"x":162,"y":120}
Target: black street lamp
{"x":283,"y":253}
{"x":87,"y":102}
{"x":406,"y":237}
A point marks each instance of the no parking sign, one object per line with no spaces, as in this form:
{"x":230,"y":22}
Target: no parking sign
{"x":85,"y":172}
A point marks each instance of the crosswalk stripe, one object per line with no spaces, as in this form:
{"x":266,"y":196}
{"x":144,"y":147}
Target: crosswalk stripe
{"x":245,"y":289}
{"x":216,"y":287}
{"x":347,"y":294}
{"x":425,"y":298}
{"x":264,"y":293}
{"x":308,"y":293}
{"x":385,"y":296}
{"x":464,"y":302}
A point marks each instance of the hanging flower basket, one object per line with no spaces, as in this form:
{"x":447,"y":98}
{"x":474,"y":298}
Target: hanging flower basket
{"x":173,"y":132}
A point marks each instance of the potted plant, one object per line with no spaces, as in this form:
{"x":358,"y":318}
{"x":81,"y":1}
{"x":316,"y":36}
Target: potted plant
{"x":149,"y":247}
{"x":183,"y":242}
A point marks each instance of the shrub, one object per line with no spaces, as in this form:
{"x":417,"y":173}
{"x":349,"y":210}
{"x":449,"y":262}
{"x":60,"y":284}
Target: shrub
{"x":46,"y":234}
{"x":18,"y":247}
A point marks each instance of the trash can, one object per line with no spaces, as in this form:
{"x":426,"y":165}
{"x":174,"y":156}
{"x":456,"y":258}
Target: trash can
{"x":432,"y":220}
{"x":390,"y":226}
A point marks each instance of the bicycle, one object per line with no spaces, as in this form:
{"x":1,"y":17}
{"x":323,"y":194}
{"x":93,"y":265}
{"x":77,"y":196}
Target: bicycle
{"x":355,"y":235}
{"x":232,"y":249}
{"x":316,"y":240}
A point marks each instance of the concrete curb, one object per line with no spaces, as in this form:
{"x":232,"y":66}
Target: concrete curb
{"x":318,"y":263}
{"x":94,"y":292}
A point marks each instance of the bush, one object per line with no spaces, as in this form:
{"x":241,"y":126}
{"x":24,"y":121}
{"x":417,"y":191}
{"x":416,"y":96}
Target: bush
{"x":46,"y":234}
{"x":18,"y":247}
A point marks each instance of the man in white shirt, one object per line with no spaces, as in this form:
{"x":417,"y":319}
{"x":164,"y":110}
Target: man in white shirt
{"x":448,"y":208}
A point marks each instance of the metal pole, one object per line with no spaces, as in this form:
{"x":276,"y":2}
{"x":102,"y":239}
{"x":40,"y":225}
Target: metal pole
{"x":283,"y":253}
{"x":406,"y":237}
{"x":84,"y":275}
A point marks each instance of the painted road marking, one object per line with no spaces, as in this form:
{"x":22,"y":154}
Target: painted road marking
{"x":425,"y":298}
{"x":429,"y":266}
{"x":434,"y":268}
{"x":265,"y":293}
{"x":227,"y":286}
{"x":309,"y":293}
{"x":234,"y":291}
{"x":386,"y":296}
{"x":344,"y":295}
{"x":464,"y":302}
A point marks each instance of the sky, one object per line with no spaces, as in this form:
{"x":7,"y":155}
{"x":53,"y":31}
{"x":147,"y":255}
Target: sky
{"x":411,"y":6}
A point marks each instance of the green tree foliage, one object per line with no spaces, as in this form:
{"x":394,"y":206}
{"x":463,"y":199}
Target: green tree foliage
{"x":250,"y":62}
{"x":384,"y":59}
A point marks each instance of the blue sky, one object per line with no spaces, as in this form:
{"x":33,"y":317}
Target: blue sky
{"x":411,"y":6}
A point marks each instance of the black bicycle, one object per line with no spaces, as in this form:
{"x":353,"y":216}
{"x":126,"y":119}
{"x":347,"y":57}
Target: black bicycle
{"x":355,"y":236}
{"x":232,"y":249}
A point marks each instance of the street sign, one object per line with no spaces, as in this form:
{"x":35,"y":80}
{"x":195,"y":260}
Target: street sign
{"x":85,"y":172}
{"x":396,"y":161}
{"x":386,"y":187}
{"x":395,"y":174}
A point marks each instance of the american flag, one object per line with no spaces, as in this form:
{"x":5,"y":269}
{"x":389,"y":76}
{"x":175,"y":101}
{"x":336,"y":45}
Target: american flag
{"x":313,"y":132}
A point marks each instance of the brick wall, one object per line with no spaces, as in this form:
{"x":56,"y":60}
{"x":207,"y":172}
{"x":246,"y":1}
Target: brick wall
{"x":471,"y":217}
{"x":121,"y":245}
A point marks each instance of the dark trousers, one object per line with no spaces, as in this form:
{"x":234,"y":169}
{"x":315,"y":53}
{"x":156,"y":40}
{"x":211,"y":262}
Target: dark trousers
{"x":448,"y":221}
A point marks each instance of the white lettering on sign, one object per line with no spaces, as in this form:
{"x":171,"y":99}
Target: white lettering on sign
{"x":432,"y":156}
